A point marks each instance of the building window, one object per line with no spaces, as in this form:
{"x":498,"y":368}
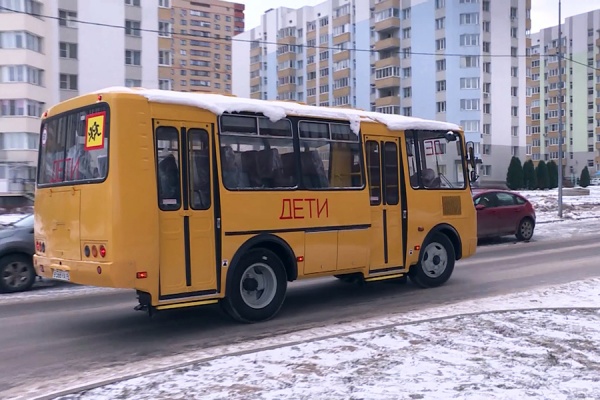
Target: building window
{"x":20,"y":108}
{"x":22,"y":74}
{"x":133,"y":83}
{"x":166,"y":4}
{"x":67,"y":18}
{"x":164,"y":29}
{"x":132,"y":28}
{"x":165,"y":58}
{"x":135,"y":3}
{"x":133,"y":57}
{"x":68,"y":50}
{"x":165,"y":84}
{"x":68,"y":82}
{"x":20,"y":40}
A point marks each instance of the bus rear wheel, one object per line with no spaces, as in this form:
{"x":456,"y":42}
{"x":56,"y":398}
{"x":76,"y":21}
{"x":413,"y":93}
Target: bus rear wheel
{"x":436,"y":262}
{"x":257,"y":287}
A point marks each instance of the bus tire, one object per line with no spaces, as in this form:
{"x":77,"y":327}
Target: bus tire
{"x":257,"y":287}
{"x":436,"y":262}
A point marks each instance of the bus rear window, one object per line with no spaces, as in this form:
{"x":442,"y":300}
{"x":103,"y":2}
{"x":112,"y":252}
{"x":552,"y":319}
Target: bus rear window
{"x":74,"y":147}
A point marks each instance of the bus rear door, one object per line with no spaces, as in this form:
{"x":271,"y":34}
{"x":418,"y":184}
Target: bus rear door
{"x":187,"y":219}
{"x":382,"y":155}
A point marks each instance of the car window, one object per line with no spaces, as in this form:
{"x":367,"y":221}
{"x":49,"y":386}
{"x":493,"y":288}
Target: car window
{"x":505,"y":199}
{"x":26,"y":222}
{"x":486,"y":199}
{"x":519,"y":200}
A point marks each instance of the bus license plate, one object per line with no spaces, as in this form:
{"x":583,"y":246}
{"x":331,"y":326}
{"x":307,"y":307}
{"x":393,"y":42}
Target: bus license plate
{"x":61,"y":275}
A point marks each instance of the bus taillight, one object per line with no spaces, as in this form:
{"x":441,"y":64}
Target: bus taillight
{"x":102,"y":251}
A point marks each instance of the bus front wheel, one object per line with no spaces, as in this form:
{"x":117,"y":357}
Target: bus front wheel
{"x":257,"y":288}
{"x":436,"y":262}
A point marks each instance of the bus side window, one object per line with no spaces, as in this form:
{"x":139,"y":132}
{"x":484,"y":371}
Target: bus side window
{"x":167,"y":152}
{"x":199,"y":169}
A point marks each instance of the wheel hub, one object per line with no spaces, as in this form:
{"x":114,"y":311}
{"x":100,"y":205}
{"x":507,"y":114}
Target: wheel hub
{"x":250,"y":284}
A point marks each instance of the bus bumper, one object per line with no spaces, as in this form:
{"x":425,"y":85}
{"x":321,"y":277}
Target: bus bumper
{"x":89,"y":273}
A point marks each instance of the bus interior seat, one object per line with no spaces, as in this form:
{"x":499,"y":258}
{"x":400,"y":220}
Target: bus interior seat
{"x":288,"y":163}
{"x":264,"y":168}
{"x":230,"y":168}
{"x":168,"y":171}
{"x":313,"y":170}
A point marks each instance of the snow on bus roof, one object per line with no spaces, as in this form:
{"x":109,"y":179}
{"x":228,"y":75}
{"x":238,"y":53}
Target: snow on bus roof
{"x":276,"y":110}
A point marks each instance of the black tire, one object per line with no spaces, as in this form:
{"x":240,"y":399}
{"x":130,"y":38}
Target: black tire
{"x":237,"y":300}
{"x":436,"y":262}
{"x":525,"y":229}
{"x":16,"y":273}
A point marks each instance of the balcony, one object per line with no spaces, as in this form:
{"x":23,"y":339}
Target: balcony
{"x":387,"y":62}
{"x":389,"y":43}
{"x":386,"y":4}
{"x":389,"y":82}
{"x":387,"y":101}
{"x":387,"y":24}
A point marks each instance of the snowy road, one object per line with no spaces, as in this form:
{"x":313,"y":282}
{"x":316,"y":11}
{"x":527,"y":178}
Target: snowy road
{"x":54,"y":342}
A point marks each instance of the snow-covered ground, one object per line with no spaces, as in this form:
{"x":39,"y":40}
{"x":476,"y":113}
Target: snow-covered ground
{"x":545,"y":203}
{"x":540,"y":344}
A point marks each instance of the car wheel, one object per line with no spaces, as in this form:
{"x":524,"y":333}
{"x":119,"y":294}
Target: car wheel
{"x":16,"y":273}
{"x":525,"y":229}
{"x":257,"y":288}
{"x":436,"y":262}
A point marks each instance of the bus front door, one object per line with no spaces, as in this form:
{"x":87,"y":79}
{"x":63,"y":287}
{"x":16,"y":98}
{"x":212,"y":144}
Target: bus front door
{"x":187,"y":235}
{"x":382,"y":156}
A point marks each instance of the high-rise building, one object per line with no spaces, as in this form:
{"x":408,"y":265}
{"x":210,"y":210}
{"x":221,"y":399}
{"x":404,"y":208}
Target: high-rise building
{"x":578,"y":95}
{"x":53,"y":50}
{"x":195,"y":52}
{"x":305,"y":55}
{"x":442,"y":59}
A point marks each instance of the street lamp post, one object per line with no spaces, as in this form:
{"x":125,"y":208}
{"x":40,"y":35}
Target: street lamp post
{"x":560,"y":110}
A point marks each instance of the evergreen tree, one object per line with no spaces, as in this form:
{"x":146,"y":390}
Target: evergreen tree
{"x":584,"y":180}
{"x":529,"y":179}
{"x":552,"y":174}
{"x":514,"y":175}
{"x":541,"y":173}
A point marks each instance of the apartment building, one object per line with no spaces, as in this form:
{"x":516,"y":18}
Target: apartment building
{"x":25,"y":75}
{"x":195,"y":49}
{"x":442,"y":59}
{"x":306,"y":55}
{"x":579,"y":95}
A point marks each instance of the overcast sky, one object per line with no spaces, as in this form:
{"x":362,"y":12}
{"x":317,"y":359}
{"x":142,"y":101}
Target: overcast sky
{"x":544,"y":13}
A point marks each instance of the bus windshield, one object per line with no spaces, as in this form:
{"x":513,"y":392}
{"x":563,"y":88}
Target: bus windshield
{"x":74,"y":147}
{"x":435,"y":160}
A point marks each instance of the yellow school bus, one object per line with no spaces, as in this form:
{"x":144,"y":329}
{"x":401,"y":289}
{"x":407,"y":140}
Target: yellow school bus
{"x":193,"y":199}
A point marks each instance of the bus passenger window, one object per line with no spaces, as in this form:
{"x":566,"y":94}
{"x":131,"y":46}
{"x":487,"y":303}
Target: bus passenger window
{"x":167,"y":154}
{"x":373,"y":171}
{"x":199,"y":169}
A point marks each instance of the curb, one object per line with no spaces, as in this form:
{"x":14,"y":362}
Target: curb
{"x":106,"y":382}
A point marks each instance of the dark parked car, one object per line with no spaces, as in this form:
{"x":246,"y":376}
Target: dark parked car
{"x":502,"y":212}
{"x":16,"y":255}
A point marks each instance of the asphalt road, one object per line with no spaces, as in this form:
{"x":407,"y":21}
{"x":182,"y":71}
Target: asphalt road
{"x":42,"y":340}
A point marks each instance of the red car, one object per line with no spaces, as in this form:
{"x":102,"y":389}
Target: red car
{"x":502,"y":212}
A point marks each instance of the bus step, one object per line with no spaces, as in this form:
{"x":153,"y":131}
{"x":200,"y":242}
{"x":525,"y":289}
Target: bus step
{"x":384,"y":277}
